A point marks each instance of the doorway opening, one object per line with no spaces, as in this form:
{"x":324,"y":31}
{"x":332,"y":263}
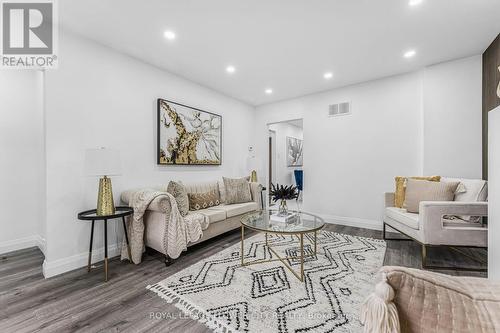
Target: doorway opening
{"x":285,"y":149}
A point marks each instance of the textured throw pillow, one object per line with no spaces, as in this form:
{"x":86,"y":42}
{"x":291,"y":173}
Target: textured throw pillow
{"x":237,"y":190}
{"x":178,"y":191}
{"x":204,"y":200}
{"x":222,"y":191}
{"x":424,"y":190}
{"x":469,"y":190}
{"x":399,"y":194}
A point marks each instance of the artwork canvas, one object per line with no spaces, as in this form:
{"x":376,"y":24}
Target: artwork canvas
{"x":294,"y":152}
{"x":188,"y":136}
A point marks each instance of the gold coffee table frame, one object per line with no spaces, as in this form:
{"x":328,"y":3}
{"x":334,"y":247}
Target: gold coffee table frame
{"x":298,"y":234}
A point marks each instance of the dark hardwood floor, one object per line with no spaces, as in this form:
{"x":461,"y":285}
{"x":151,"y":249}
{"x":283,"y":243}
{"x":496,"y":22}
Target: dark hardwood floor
{"x":82,"y":302}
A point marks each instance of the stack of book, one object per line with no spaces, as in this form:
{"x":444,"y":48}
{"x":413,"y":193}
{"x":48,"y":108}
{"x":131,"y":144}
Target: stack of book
{"x":288,"y":218}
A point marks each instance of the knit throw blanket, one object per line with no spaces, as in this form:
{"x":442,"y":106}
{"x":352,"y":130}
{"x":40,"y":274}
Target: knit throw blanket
{"x":178,"y":233}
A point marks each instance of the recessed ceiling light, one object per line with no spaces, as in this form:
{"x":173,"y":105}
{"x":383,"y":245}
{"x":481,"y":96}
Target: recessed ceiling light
{"x":410,"y":54}
{"x":170,"y":35}
{"x":328,"y":75}
{"x":415,"y":2}
{"x":269,"y":91}
{"x":230,"y":69}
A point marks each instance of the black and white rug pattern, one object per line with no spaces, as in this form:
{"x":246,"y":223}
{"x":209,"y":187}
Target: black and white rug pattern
{"x":267,"y":297}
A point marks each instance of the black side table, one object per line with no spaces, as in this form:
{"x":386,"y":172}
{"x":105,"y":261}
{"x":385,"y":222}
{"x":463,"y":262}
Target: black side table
{"x":90,"y":215}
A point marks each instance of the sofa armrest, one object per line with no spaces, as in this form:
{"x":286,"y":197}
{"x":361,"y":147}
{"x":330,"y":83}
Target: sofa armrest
{"x":159,"y":204}
{"x":389,"y":199}
{"x":435,"y":232}
{"x":256,"y":190}
{"x":435,"y":210}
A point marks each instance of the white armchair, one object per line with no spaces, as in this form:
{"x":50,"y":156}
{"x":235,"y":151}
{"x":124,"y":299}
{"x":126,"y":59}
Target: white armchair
{"x":436,"y":224}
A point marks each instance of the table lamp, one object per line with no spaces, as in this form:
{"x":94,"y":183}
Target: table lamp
{"x":252,"y":164}
{"x":103,"y":162}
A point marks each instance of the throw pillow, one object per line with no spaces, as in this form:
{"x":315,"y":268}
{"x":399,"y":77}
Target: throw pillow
{"x":399,"y":194}
{"x":222,"y":190}
{"x":178,"y":191}
{"x":424,"y":190}
{"x":237,"y":190}
{"x":204,"y":200}
{"x":469,"y":190}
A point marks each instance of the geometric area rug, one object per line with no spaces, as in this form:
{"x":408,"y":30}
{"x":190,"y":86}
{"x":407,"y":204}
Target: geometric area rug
{"x":266,"y":297}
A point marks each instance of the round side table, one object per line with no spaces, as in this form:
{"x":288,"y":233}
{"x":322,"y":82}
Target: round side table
{"x":91,"y":215}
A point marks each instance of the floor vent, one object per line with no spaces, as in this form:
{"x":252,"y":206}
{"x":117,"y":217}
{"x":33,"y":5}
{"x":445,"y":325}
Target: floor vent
{"x":340,"y":109}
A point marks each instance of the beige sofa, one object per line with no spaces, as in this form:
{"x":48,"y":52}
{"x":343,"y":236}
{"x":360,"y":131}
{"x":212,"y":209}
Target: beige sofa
{"x":221,"y":218}
{"x":437,"y":223}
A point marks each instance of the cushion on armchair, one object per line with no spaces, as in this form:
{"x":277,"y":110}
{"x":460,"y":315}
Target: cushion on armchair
{"x":399,"y":193}
{"x":469,"y":190}
{"x":433,"y":302}
{"x":424,"y":190}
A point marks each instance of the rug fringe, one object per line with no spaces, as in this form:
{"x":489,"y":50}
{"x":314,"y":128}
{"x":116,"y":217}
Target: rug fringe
{"x":195,"y":312}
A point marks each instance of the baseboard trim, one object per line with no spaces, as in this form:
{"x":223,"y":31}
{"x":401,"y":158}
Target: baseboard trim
{"x":353,"y":222}
{"x":63,"y":265}
{"x":22,"y":243}
{"x":41,"y":243}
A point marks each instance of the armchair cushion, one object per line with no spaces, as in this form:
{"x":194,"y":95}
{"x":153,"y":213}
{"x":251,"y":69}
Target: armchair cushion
{"x":473,"y":190}
{"x":402,"y":216}
{"x":433,"y":302}
{"x":399,"y":194}
{"x":423,"y":190}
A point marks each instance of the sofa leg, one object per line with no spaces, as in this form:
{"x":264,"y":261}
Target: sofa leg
{"x":424,"y":256}
{"x":454,"y":268}
{"x":168,"y":261}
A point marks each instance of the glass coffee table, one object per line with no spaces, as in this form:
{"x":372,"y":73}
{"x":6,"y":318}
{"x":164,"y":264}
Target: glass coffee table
{"x":262,"y":221}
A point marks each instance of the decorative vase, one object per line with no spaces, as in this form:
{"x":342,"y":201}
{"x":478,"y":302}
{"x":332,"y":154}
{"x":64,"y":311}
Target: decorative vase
{"x":283,"y":209}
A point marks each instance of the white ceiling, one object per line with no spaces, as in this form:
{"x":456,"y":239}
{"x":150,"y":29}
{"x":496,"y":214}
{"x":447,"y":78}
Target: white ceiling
{"x":286,"y":45}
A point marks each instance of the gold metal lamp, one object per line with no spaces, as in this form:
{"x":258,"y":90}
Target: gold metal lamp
{"x":252,"y":164}
{"x":103,"y":162}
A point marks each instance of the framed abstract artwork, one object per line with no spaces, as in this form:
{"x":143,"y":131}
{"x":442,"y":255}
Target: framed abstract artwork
{"x":294,"y":152}
{"x":188,"y":136}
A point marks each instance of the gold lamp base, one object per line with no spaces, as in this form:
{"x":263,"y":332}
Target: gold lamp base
{"x":253,"y":176}
{"x":105,"y":204}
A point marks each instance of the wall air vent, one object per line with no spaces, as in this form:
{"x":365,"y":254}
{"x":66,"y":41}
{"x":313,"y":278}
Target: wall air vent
{"x":340,"y":109}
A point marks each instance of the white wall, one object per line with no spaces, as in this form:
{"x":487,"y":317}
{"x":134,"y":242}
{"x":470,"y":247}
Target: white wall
{"x":99,"y":97}
{"x":22,"y":160}
{"x":452,"y":127}
{"x":352,"y":160}
{"x":494,"y":194}
{"x":283,"y":173}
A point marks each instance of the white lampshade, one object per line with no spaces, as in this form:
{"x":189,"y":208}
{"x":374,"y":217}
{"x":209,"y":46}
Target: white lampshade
{"x":102,"y":162}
